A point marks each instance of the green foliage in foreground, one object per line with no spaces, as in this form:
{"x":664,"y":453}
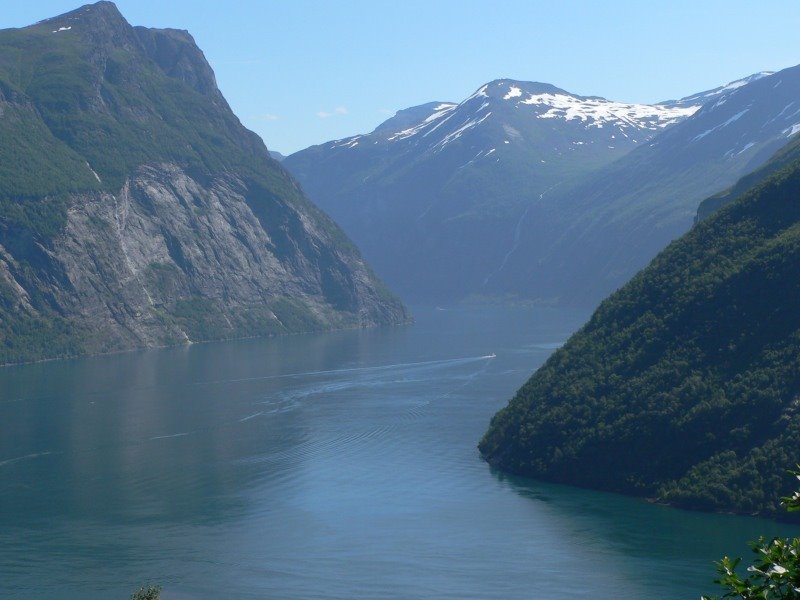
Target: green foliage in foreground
{"x":148,"y":592}
{"x":685,"y":384}
{"x":775,"y":572}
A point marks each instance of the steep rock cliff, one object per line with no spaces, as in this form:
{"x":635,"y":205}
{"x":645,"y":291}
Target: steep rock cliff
{"x":136,"y":210}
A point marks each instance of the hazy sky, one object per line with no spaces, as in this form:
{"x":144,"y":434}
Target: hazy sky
{"x":303,"y":72}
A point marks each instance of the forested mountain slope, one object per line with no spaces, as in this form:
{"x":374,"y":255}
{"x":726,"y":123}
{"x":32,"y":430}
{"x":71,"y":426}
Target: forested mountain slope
{"x":684,"y":384}
{"x":784,"y":157}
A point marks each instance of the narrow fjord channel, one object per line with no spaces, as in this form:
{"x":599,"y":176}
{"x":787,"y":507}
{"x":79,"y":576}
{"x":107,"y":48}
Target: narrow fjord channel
{"x":336,"y":465}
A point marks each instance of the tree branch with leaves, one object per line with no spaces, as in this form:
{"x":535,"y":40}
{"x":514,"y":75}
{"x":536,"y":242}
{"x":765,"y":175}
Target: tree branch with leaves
{"x":774,"y":574}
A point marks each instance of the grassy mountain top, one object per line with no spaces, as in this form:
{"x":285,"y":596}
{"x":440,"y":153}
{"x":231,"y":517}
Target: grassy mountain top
{"x":87,"y":98}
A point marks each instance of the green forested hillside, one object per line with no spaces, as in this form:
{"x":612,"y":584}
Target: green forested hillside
{"x":785,"y":156}
{"x":685,"y":384}
{"x":95,"y":97}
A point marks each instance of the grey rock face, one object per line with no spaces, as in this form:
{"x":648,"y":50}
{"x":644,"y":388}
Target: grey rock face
{"x":169,"y":259}
{"x":136,"y":210}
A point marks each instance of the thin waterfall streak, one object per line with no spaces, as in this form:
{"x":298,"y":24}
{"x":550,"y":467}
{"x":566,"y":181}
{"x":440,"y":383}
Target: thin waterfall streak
{"x":517,"y":235}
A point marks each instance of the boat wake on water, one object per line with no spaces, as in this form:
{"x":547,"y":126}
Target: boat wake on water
{"x":427,"y":363}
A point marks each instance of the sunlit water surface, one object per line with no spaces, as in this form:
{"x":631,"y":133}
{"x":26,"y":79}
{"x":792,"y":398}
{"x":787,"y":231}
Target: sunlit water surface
{"x":337,"y":465}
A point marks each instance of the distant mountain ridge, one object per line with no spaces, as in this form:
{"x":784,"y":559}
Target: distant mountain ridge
{"x":526,"y":191}
{"x":543,"y":100}
{"x":433,"y":194}
{"x":709,"y":95}
{"x":784,"y":157}
{"x":136,"y":210}
{"x":597,"y":233}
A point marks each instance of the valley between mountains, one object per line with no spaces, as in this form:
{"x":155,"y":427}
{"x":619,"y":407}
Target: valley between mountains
{"x":137,"y":211}
{"x":527,"y":191}
{"x":682,"y":386}
{"x":605,"y":302}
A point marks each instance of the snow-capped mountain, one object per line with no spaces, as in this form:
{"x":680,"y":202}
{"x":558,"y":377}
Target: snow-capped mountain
{"x":595,"y":111}
{"x":435,"y":125}
{"x":593,"y":236}
{"x":433,"y":194}
{"x":709,"y":95}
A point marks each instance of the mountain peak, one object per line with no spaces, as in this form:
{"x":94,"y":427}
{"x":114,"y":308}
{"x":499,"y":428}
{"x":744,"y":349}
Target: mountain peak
{"x":122,"y":120}
{"x":103,"y":7}
{"x":103,"y":27}
{"x":708,"y":95}
{"x":506,"y":89}
{"x":91,"y":14}
{"x":101,"y":24}
{"x":546,"y":101}
{"x":409,"y":117}
{"x":177,"y":54}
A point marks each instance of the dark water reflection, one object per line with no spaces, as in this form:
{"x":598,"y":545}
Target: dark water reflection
{"x":324,"y":466}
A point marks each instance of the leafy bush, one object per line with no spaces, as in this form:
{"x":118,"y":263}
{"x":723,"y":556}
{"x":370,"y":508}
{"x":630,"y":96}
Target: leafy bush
{"x":148,"y":592}
{"x":774,"y":574}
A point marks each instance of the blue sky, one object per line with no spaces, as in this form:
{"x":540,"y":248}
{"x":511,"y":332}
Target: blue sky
{"x":303,"y":72}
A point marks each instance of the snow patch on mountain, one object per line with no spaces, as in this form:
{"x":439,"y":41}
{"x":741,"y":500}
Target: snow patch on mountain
{"x":350,"y":142}
{"x":734,"y":85}
{"x":597,"y":112}
{"x":439,"y":112}
{"x":792,"y":130}
{"x":450,"y":137}
{"x":436,"y":125}
{"x":511,"y":132}
{"x":734,"y":118}
{"x":723,"y":92}
{"x":481,"y":93}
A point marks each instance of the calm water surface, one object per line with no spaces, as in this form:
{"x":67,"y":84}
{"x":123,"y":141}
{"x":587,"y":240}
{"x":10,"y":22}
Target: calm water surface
{"x":323,"y":466}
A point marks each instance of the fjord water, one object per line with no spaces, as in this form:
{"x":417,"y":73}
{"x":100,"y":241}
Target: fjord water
{"x":320,"y":466}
